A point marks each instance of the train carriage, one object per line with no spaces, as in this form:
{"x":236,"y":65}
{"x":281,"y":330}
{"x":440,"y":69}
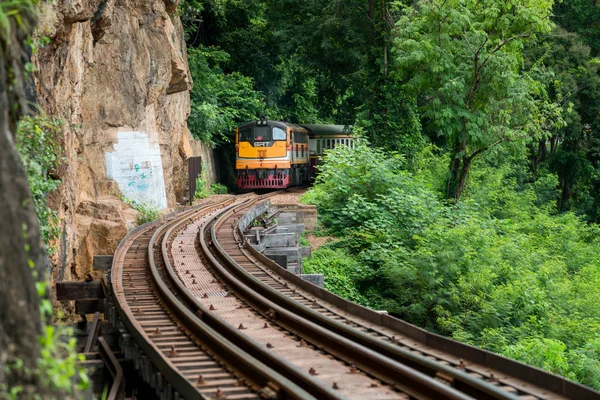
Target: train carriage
{"x":276,"y":155}
{"x":323,"y":137}
{"x":271,"y":155}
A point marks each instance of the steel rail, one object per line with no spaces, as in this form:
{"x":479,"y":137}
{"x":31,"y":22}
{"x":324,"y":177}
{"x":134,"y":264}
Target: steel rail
{"x":133,"y":327}
{"x":254,"y":348}
{"x":526,"y":379}
{"x":404,"y":378}
{"x":251,"y":367}
{"x":117,"y":389}
{"x":460,"y":380}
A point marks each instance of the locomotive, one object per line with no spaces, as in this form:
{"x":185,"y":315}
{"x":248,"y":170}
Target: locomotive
{"x":277,"y":155}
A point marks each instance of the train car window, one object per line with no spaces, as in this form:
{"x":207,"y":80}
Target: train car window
{"x":278,"y":133}
{"x":245,"y":135}
{"x":296,"y":149}
{"x":318,"y":146}
{"x":262,"y":133}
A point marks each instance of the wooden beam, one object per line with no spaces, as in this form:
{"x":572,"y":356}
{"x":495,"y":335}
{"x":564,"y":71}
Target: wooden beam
{"x":102,"y":263}
{"x":89,"y":306}
{"x":72,"y":290}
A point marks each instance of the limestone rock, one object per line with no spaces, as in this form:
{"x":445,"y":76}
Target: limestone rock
{"x":116,"y":72}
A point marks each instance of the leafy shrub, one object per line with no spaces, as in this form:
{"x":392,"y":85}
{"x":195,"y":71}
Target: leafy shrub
{"x":147,"y":213}
{"x":500,"y":271}
{"x":217,"y":188}
{"x":341,"y":272}
{"x":38,"y":143}
{"x":57,"y":370}
{"x":202,"y":190}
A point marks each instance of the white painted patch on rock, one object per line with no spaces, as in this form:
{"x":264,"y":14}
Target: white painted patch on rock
{"x":137,"y":168}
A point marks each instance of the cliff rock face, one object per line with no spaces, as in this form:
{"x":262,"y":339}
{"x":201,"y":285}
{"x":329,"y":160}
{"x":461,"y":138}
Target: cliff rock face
{"x":116,"y":72}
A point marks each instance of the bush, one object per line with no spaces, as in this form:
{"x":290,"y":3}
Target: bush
{"x":147,"y":213}
{"x":202,"y":191}
{"x":500,"y":271}
{"x":38,"y":143}
{"x":217,"y":188}
{"x":341,"y":272}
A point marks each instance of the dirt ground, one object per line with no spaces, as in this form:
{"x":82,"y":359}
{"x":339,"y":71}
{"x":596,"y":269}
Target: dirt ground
{"x":289,"y":197}
{"x":318,"y":241}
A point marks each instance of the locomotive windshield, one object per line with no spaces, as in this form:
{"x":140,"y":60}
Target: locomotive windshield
{"x":261,"y":134}
{"x":278,"y":133}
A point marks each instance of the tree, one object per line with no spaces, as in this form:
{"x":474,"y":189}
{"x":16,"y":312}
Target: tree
{"x":21,"y":251}
{"x":564,"y":64}
{"x":464,"y":61}
{"x":583,"y":17}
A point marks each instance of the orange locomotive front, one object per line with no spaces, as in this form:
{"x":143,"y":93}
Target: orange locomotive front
{"x":271,"y":155}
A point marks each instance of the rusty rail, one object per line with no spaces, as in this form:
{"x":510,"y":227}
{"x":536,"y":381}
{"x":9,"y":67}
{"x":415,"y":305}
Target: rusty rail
{"x":293,"y":314}
{"x":175,"y":295}
{"x":267,"y":373}
{"x":520,"y":378}
{"x":407,"y":379}
{"x":117,"y":390}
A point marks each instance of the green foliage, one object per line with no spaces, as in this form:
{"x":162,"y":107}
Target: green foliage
{"x":500,"y":271}
{"x":202,"y":188}
{"x":59,"y":362}
{"x":14,"y":9}
{"x":217,"y":188}
{"x":303,"y":240}
{"x":38,"y":144}
{"x":564,"y":64}
{"x":147,"y":212}
{"x":190,"y":13}
{"x":464,"y":61}
{"x":341,"y":272}
{"x":220,"y":101}
{"x":582,"y":17}
{"x":57,"y":371}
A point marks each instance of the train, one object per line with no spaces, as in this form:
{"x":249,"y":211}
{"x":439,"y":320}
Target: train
{"x":278,"y":155}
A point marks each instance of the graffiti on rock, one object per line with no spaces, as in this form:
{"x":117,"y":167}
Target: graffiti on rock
{"x":136,"y":166}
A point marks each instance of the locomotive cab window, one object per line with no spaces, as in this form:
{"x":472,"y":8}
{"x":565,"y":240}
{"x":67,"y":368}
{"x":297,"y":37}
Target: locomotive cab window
{"x":245,"y":135}
{"x":262,"y":133}
{"x":278,"y":133}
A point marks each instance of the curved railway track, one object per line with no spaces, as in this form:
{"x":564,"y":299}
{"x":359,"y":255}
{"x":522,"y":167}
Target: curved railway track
{"x":214,"y":319}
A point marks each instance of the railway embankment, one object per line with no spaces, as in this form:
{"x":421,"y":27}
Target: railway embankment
{"x":274,"y":230}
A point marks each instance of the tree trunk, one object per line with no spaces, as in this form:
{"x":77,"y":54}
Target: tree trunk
{"x":453,"y":186}
{"x":462,"y":178}
{"x":537,"y":156}
{"x":565,"y":196}
{"x":21,"y":251}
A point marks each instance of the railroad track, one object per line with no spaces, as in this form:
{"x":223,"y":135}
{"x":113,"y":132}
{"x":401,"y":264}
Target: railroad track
{"x":210,"y":318}
{"x":173,"y":350}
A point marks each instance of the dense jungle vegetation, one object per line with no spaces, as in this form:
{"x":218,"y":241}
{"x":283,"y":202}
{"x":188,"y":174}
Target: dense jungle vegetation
{"x":471,"y":206}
